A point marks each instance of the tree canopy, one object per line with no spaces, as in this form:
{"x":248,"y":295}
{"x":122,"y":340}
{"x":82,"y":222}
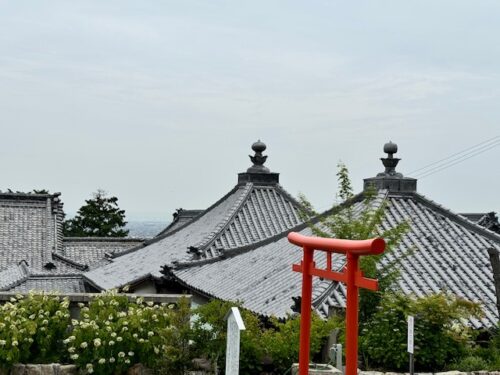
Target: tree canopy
{"x":98,"y":217}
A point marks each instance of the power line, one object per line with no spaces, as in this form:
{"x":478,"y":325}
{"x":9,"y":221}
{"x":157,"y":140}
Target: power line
{"x":445,"y":166}
{"x":467,"y":150}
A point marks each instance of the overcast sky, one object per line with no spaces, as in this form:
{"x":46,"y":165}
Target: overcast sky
{"x":158,"y":102}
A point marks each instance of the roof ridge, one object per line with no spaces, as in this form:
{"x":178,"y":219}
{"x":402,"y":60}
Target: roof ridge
{"x":459,"y":218}
{"x":244,"y":249}
{"x":103,"y":239}
{"x":71,"y":262}
{"x":168,"y":234}
{"x":207,"y":242}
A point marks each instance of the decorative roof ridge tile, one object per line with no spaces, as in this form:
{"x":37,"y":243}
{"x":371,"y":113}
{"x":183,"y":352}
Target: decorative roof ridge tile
{"x":244,"y":249}
{"x":71,"y":262}
{"x":55,"y":276}
{"x":458,"y":218}
{"x":161,"y":237}
{"x":103,"y":239}
{"x":208,"y":241}
{"x":4,"y":194}
{"x":168,"y":234}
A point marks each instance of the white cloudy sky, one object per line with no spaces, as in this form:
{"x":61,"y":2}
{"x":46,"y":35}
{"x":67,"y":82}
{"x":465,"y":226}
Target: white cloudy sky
{"x":158,"y":102}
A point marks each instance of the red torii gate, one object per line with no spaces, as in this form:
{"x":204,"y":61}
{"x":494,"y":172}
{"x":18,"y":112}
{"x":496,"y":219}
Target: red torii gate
{"x":352,"y":277}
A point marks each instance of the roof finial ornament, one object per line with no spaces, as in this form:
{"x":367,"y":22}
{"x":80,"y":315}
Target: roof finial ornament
{"x":390,"y":162}
{"x":258,"y":159}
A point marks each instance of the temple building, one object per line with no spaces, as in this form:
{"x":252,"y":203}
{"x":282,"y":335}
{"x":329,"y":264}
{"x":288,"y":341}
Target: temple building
{"x":237,"y":248}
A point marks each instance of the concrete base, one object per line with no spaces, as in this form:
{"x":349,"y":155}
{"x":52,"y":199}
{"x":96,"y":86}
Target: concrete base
{"x":317,"y":369}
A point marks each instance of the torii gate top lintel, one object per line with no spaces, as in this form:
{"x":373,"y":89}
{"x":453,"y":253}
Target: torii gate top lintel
{"x":373,"y":246}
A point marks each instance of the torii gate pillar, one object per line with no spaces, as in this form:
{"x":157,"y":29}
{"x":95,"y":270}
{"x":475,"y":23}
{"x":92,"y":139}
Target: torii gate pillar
{"x":352,"y":277}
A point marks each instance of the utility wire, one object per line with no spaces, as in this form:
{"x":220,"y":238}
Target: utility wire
{"x":459,"y":160}
{"x":460,"y":154}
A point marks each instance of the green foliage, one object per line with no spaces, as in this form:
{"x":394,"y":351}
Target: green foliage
{"x":440,"y":334}
{"x":277,"y":342}
{"x":98,"y":217}
{"x":32,"y":328}
{"x":209,"y":332}
{"x":348,"y":222}
{"x":470,"y":363}
{"x":281,"y":342}
{"x":114,"y":333}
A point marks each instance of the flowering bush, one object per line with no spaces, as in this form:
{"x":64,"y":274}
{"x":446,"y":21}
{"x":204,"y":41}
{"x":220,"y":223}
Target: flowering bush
{"x":114,"y":333}
{"x":32,"y":328}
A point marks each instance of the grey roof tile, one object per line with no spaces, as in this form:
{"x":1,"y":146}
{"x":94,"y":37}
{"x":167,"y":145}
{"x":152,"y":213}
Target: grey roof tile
{"x":222,"y":227}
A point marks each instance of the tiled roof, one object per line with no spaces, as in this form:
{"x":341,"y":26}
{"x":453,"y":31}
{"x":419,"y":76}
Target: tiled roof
{"x":90,"y":251}
{"x":247,"y":214}
{"x":181,"y":217}
{"x":29,"y":228}
{"x":13,"y":275}
{"x":442,"y":252}
{"x":260,"y":276}
{"x":60,"y":283}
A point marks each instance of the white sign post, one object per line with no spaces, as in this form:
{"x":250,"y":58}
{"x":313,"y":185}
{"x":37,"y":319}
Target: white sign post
{"x":410,"y":341}
{"x":234,"y":326}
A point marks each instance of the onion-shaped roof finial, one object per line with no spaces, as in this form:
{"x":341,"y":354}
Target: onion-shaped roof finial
{"x":258,"y":159}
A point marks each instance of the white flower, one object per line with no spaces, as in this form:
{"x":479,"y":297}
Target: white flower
{"x":74,"y":356}
{"x":2,"y":342}
{"x":121,"y":354}
{"x":141,"y":340}
{"x":14,"y":343}
{"x":150,"y":333}
{"x":71,"y":349}
{"x":127,"y":361}
{"x":45,"y":322}
{"x":111,"y":343}
{"x":83,"y":345}
{"x":72,"y":338}
{"x":119,"y":339}
{"x":89,"y":365}
{"x":157,"y":350}
{"x":97,"y":342}
{"x":32,"y":316}
{"x":135,"y":335}
{"x":113,"y":334}
{"x":112,"y":360}
{"x":131,"y":354}
{"x":102,"y":361}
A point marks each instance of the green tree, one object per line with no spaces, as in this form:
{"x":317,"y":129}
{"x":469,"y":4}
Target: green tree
{"x":358,"y":218}
{"x":98,"y":217}
{"x":441,"y":331}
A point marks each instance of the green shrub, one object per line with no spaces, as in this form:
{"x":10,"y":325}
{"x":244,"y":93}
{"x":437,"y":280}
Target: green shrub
{"x":277,"y":342}
{"x":441,"y":337}
{"x":281,"y":343}
{"x":209,"y":336}
{"x":32,"y":328}
{"x":470,"y":363}
{"x":114,"y":333}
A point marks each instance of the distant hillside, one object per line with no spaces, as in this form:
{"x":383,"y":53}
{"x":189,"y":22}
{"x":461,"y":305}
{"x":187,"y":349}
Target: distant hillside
{"x":145,"y":229}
